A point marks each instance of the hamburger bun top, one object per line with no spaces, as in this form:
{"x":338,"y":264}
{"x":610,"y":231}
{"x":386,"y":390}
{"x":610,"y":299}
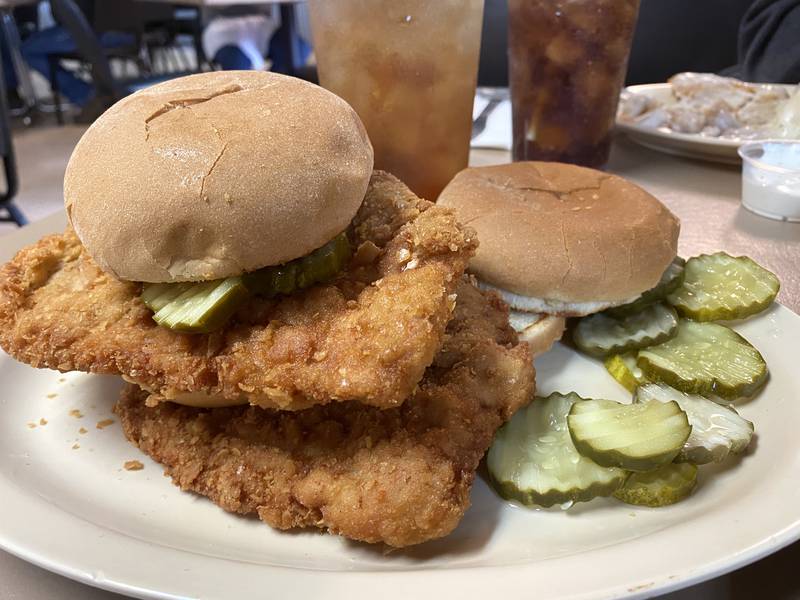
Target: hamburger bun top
{"x":216,"y":174}
{"x":563,"y":233}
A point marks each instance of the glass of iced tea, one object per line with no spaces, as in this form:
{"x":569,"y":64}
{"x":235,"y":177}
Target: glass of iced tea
{"x":567,"y":63}
{"x":409,"y":69}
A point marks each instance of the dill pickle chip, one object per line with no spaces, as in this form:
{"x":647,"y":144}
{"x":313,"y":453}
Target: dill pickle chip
{"x":717,"y":431}
{"x":157,"y":295}
{"x":623,"y":368}
{"x":323,"y":264}
{"x":670,"y":280}
{"x":533,"y":460}
{"x":707,"y":359}
{"x":634,"y":437}
{"x":601,"y":334}
{"x":722,"y":287}
{"x":203,"y":306}
{"x":284,"y":278}
{"x":667,"y":485}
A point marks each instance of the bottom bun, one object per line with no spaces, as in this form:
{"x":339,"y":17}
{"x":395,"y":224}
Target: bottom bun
{"x":549,"y":306}
{"x":538,"y":330}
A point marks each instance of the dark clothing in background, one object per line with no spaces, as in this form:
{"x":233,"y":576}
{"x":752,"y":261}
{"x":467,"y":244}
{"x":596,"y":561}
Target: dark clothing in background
{"x":769,"y":42}
{"x":684,"y":35}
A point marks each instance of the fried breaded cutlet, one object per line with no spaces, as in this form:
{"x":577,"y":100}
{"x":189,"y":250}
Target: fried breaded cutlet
{"x":400,"y":476}
{"x":368,"y":336}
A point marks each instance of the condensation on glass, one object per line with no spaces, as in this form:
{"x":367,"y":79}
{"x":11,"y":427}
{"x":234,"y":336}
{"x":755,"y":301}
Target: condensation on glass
{"x":409,"y":69}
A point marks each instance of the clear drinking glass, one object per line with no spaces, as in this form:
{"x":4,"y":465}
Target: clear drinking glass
{"x":409,"y":69}
{"x":567,"y":63}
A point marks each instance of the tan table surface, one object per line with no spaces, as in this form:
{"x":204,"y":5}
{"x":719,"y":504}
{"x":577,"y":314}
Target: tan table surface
{"x":706,"y":198}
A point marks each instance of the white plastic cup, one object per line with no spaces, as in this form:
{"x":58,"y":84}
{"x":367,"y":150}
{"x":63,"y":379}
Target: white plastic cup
{"x":771,"y":178}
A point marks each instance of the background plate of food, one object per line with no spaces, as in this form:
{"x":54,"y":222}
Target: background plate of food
{"x":705,"y":116}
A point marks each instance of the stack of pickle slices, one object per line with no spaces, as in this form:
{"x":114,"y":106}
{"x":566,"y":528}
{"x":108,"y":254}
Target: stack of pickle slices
{"x":684,"y":370}
{"x":203,"y":306}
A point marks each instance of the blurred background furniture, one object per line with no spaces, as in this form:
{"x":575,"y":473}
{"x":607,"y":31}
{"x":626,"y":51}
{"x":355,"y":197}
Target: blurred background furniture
{"x":286,"y":42}
{"x":140,"y":33}
{"x":20,"y":74}
{"x":90,"y":50}
{"x":8,"y":210}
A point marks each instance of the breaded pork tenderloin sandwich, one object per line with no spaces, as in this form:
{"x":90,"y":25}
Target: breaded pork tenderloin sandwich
{"x":559,"y":240}
{"x":231,"y":244}
{"x":298,"y":334}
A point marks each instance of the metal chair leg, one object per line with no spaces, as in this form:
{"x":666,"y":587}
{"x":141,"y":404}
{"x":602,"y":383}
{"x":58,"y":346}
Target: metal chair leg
{"x":15,"y":51}
{"x":53,"y":64}
{"x":14,"y":214}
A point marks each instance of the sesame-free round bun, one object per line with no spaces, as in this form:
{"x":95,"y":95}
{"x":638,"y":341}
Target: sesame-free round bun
{"x":563,"y":234}
{"x":215,"y":174}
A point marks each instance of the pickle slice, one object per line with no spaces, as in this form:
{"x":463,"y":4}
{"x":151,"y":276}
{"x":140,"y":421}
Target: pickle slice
{"x":706,"y":359}
{"x":323,"y":264}
{"x":635,"y":437}
{"x":203,"y":307}
{"x":623,"y":368}
{"x":601,"y":334}
{"x":717,"y":431}
{"x":667,"y":485}
{"x":670,"y":281}
{"x":157,"y":295}
{"x":534,"y":461}
{"x":722,"y":287}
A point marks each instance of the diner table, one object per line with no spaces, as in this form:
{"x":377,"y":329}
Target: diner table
{"x":706,"y":197}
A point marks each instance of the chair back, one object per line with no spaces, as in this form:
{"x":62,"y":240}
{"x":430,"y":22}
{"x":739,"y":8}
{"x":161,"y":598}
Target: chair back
{"x":131,"y":16}
{"x":70,"y":16}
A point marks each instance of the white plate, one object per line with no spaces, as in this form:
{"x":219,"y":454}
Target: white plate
{"x":79,"y":513}
{"x":681,"y":144}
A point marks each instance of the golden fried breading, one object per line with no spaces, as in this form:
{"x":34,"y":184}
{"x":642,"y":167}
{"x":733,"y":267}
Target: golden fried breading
{"x":400,"y":476}
{"x":368,"y":336}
